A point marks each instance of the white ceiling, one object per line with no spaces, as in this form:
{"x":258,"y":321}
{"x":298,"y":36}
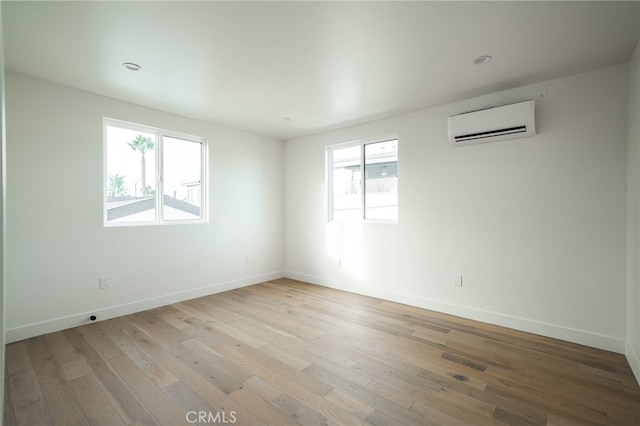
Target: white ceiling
{"x":323,"y":64}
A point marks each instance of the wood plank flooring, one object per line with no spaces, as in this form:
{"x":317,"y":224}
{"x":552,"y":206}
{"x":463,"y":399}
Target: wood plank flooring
{"x":289,"y":353}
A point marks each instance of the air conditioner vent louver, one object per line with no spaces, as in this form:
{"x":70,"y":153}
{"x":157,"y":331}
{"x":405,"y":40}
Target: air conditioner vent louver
{"x":492,"y":133}
{"x":493,"y":124}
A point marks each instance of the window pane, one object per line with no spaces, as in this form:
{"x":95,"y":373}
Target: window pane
{"x":131,"y":175}
{"x":347,"y":195}
{"x":381,"y":180}
{"x":182,"y":179}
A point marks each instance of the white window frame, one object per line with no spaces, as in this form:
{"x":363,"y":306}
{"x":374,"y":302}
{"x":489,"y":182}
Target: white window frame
{"x":363,"y":178}
{"x":160,"y":135}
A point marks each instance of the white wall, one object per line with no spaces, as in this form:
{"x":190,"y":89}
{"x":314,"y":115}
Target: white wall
{"x":58,"y":247}
{"x":536,"y":226}
{"x":2,"y":216}
{"x":632,"y":349}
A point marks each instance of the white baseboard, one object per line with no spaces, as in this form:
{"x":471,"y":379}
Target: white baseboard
{"x":633,"y":360}
{"x":523,"y":324}
{"x":75,"y":320}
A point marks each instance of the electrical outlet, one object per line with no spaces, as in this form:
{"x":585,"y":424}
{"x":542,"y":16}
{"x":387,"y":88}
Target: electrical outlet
{"x":457,"y":280}
{"x":104,"y":282}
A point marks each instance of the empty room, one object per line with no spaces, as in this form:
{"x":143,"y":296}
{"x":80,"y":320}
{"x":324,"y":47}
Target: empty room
{"x":320,"y":213}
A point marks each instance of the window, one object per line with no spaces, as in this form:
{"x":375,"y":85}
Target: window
{"x":363,"y":181}
{"x":152,"y":176}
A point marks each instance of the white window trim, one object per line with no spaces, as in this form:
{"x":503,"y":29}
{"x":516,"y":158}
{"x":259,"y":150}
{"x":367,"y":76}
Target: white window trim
{"x":329,"y":176}
{"x":160,"y":134}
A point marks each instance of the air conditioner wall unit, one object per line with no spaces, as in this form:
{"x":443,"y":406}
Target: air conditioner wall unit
{"x":493,"y":124}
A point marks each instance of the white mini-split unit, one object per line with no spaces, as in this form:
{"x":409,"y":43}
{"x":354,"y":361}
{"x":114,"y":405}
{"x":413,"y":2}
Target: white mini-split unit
{"x":493,"y":124}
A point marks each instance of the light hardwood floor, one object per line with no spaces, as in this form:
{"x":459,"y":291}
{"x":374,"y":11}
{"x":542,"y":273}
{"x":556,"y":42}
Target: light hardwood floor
{"x":285,"y":352}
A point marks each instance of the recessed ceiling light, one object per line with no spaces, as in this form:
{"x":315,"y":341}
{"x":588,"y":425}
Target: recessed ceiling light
{"x":131,"y":66}
{"x":482,"y":60}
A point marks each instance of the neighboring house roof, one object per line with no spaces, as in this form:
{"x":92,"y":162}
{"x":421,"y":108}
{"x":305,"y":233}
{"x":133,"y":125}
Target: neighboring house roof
{"x":118,"y":207}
